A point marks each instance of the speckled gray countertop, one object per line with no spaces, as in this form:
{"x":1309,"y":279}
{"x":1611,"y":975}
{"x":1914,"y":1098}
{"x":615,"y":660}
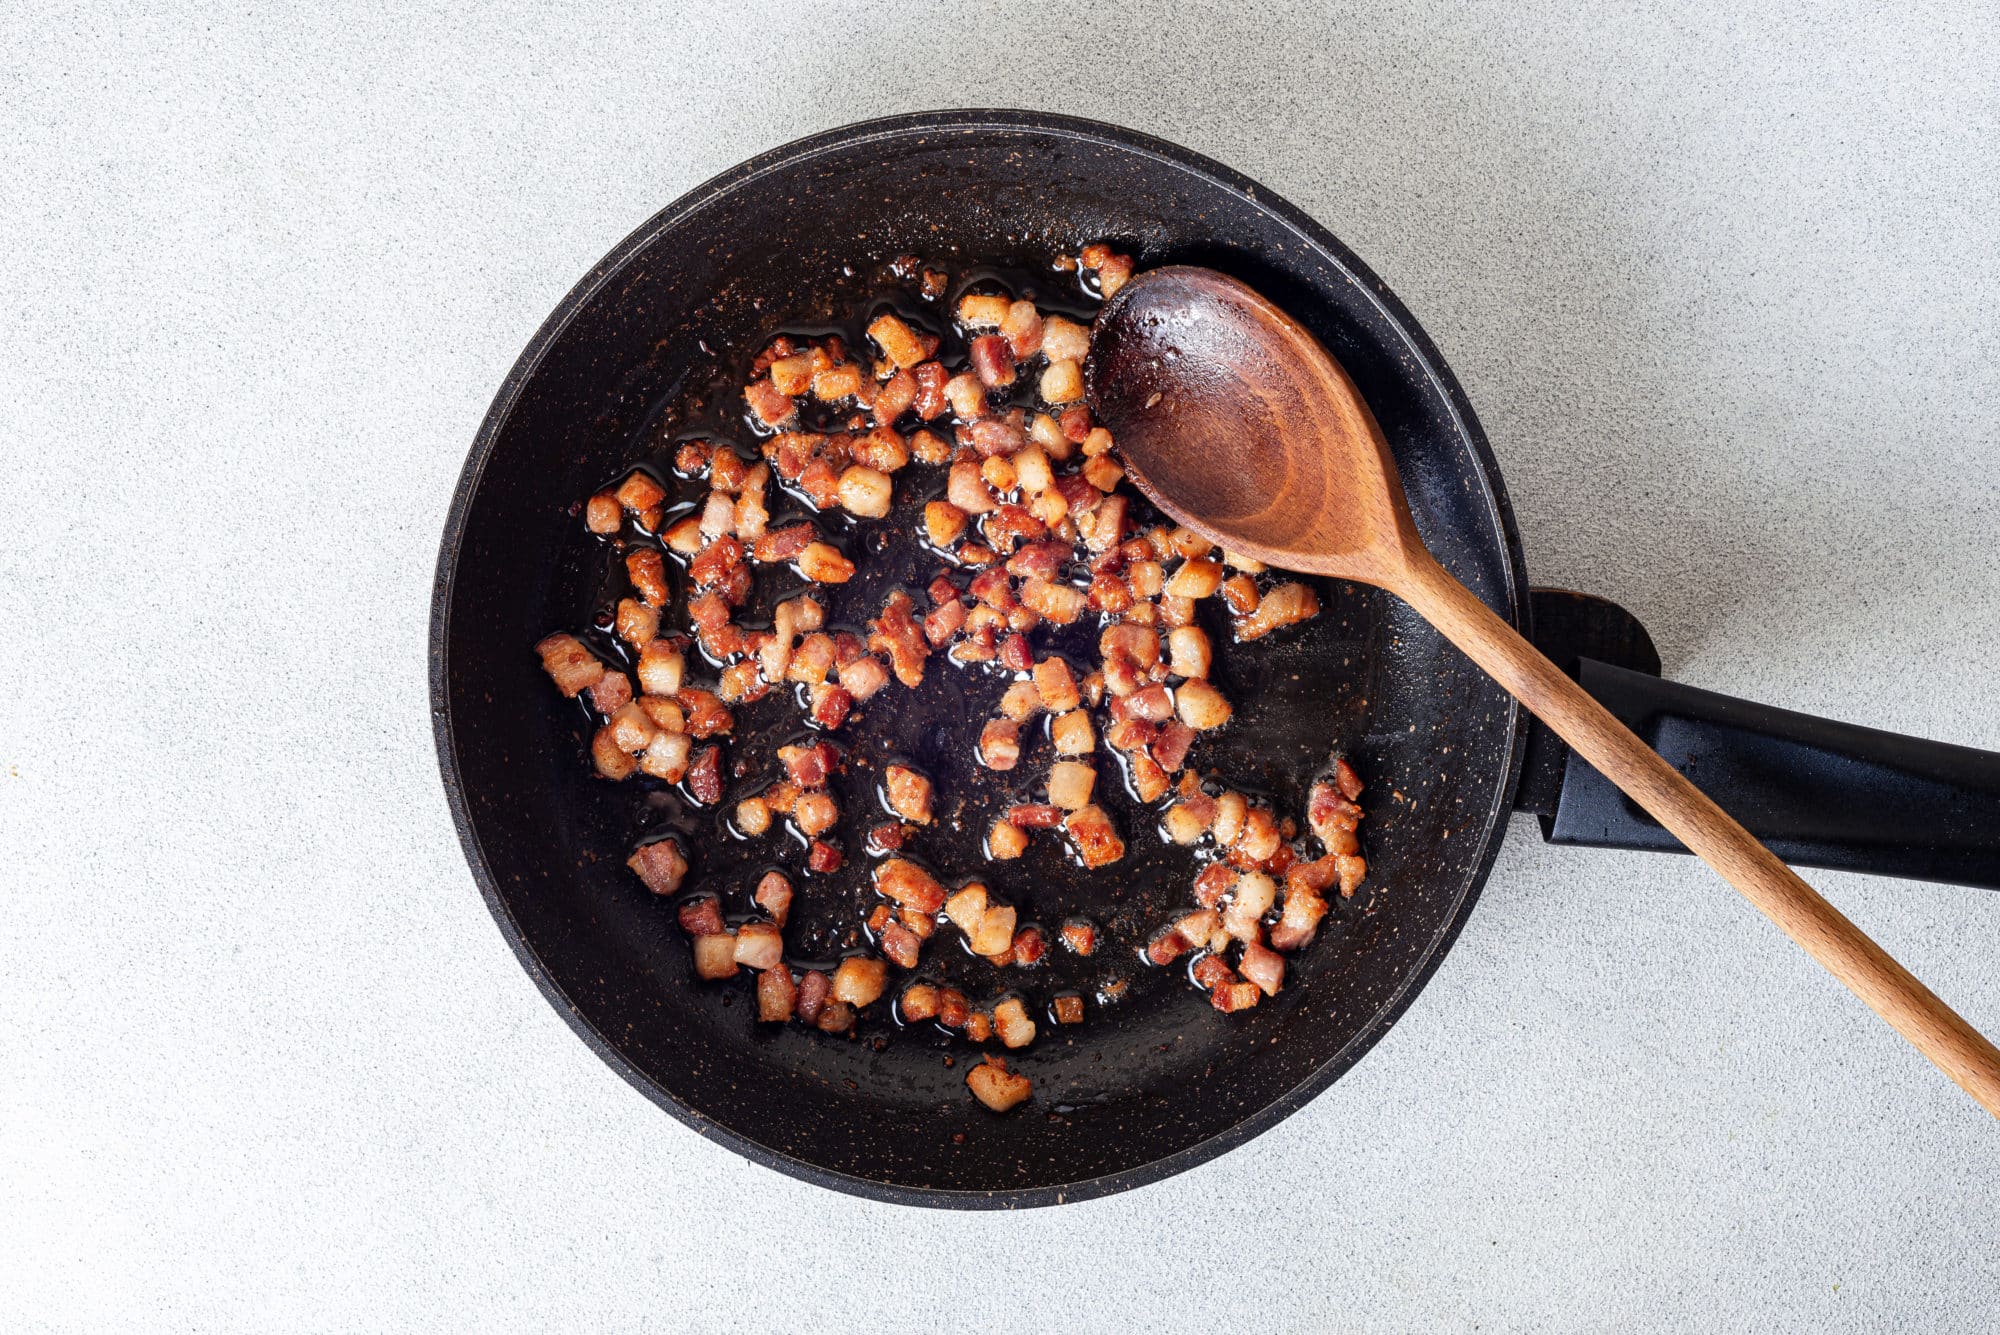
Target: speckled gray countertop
{"x":1722,"y":288}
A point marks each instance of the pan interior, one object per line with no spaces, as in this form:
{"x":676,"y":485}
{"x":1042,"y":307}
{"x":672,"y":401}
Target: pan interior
{"x":797,"y":239}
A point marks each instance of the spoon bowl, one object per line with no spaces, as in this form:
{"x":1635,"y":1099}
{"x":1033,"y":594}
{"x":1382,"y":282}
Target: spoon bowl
{"x":1207,"y":387}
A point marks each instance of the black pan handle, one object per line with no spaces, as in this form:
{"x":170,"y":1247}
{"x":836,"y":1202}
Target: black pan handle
{"x":1819,"y":793}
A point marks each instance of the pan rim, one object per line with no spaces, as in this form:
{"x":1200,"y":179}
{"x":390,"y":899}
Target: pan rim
{"x":1431,"y":366}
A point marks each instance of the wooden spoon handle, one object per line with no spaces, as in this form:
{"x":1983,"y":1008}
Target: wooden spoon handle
{"x":1912,"y":1009}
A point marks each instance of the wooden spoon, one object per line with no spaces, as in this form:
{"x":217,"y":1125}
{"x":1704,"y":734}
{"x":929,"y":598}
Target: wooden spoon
{"x":1241,"y":426}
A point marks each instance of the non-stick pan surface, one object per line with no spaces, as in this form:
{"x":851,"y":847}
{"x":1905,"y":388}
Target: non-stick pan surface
{"x":1147,"y":1088}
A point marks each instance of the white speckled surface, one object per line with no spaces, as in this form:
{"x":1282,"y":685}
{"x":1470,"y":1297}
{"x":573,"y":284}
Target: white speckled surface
{"x":1722,"y":287}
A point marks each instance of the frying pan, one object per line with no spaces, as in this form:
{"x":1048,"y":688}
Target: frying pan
{"x":1158,"y":1081}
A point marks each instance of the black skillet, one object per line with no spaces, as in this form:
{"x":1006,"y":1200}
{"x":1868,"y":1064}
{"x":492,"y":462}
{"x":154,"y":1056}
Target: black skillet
{"x":1158,"y":1081}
